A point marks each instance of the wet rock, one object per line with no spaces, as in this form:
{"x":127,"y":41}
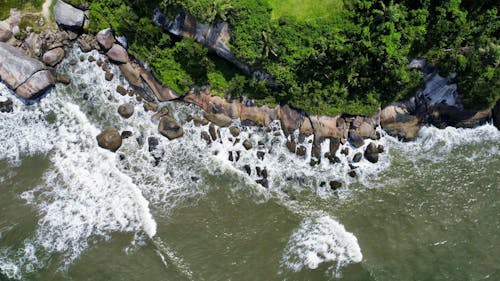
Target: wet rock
{"x":235,"y":131}
{"x":345,"y":151}
{"x":291,"y":145}
{"x":247,"y":144}
{"x":496,"y":115}
{"x":105,"y":38}
{"x":212,"y":131}
{"x":131,"y":74}
{"x":263,"y":173}
{"x":301,"y":151}
{"x":150,"y":106}
{"x":157,"y":116}
{"x":170,"y":128}
{"x":230,"y":157}
{"x":73,"y":62}
{"x":380,"y":148}
{"x":99,"y":62}
{"x":247,"y":169}
{"x":126,"y":134}
{"x":91,"y":59}
{"x":68,"y":16}
{"x":218,"y":119}
{"x":109,"y":139}
{"x":355,"y":139}
{"x":335,"y":185}
{"x":121,"y":90}
{"x":352,"y":174}
{"x":6,"y":106}
{"x":53,"y":57}
{"x":118,"y":54}
{"x":126,"y":110}
{"x":108,"y":76}
{"x":371,"y":153}
{"x":334,"y":145}
{"x":357,"y":157}
{"x":152,"y":143}
{"x":263,"y":182}
{"x":206,"y":137}
{"x":260,"y":155}
{"x":63,"y":78}
{"x":316,"y":150}
{"x":332,"y":158}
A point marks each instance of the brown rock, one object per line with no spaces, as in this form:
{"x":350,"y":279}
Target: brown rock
{"x":5,"y":31}
{"x":405,"y":127}
{"x":150,"y":106}
{"x":247,"y":144}
{"x":355,"y":139}
{"x":301,"y":151}
{"x":218,"y":119}
{"x":371,"y":153}
{"x":206,"y":137}
{"x":161,"y":92}
{"x":63,"y":78}
{"x":235,"y":131}
{"x":170,"y":128}
{"x":212,"y":131}
{"x":357,"y":157}
{"x":121,"y":90}
{"x":131,"y":74}
{"x":291,"y":145}
{"x":36,"y":85}
{"x":118,"y":54}
{"x":6,"y":105}
{"x":108,"y":76}
{"x":110,"y":139}
{"x":126,"y":110}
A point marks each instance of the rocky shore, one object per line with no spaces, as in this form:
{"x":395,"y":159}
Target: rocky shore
{"x":27,"y":67}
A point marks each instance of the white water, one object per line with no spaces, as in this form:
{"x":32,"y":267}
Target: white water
{"x":90,"y":193}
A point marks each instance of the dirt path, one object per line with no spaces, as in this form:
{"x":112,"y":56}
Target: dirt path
{"x":46,"y":8}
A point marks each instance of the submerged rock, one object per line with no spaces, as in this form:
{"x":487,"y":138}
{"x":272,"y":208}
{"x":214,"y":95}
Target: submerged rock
{"x":170,"y":128}
{"x":110,"y":139}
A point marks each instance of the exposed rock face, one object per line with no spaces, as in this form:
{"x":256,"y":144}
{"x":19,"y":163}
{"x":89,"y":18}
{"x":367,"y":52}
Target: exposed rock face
{"x":28,"y":77}
{"x":170,"y":128}
{"x":110,"y":139}
{"x":126,"y":110}
{"x":68,"y":16}
{"x":53,"y":57}
{"x":118,"y":54}
{"x":105,"y":38}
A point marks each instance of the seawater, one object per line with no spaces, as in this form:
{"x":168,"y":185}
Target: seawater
{"x":72,"y":211}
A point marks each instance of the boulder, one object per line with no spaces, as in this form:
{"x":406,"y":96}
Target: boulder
{"x":161,"y":92}
{"x":110,"y":139}
{"x":121,"y":90}
{"x":126,"y":110}
{"x":53,"y":57}
{"x":218,"y":119}
{"x":334,"y":185}
{"x":6,"y":105}
{"x":235,"y":131}
{"x":16,"y":67}
{"x":68,"y":16}
{"x":108,"y":76}
{"x":170,"y":128}
{"x":118,"y":54}
{"x":301,"y":151}
{"x":357,"y":157}
{"x":63,"y":78}
{"x":371,"y":153}
{"x":36,"y":85}
{"x":334,"y":145}
{"x":87,"y":43}
{"x":105,"y":38}
{"x":213,"y":133}
{"x":291,"y":145}
{"x":5,"y":31}
{"x":247,"y":144}
{"x":355,"y":139}
{"x":206,"y":137}
{"x":405,"y":127}
{"x":131,"y":74}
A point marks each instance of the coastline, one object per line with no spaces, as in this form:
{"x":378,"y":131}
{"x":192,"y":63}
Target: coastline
{"x":436,"y":105}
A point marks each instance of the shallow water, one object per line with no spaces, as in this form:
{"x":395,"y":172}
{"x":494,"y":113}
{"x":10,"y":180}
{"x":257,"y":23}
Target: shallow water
{"x":72,"y":211}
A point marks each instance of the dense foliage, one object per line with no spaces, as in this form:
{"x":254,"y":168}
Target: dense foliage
{"x":352,"y":60}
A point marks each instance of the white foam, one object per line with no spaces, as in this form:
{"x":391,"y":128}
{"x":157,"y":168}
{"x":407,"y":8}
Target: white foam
{"x":321,"y":240}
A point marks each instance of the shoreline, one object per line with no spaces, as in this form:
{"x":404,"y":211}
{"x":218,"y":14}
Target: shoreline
{"x":402,"y":120}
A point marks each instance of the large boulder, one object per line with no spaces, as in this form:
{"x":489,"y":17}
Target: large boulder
{"x":131,"y":74}
{"x":105,"y":38}
{"x":110,"y":139}
{"x":53,"y":57}
{"x":68,"y":16}
{"x":5,"y":31}
{"x":405,"y":127}
{"x":355,"y":139}
{"x":118,"y":54}
{"x":25,"y":75}
{"x":126,"y":110}
{"x":218,"y":119}
{"x":170,"y":128}
{"x":371,"y":153}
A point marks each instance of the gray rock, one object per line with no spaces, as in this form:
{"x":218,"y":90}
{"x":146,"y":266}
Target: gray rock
{"x":126,"y":110}
{"x":105,"y":38}
{"x":110,"y":139}
{"x":118,"y":54}
{"x":5,"y":31}
{"x":357,"y":157}
{"x":170,"y":128}
{"x":213,"y":133}
{"x":16,"y":67}
{"x":247,"y":144}
{"x":68,"y":16}
{"x":37,"y":84}
{"x":53,"y":57}
{"x":355,"y":139}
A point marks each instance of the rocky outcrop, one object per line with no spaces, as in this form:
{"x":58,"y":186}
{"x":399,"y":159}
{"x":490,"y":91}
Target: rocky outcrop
{"x":26,"y":76}
{"x":110,"y":139}
{"x":68,"y":16}
{"x":118,"y":54}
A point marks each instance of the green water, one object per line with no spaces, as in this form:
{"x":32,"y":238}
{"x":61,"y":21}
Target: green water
{"x":429,"y":211}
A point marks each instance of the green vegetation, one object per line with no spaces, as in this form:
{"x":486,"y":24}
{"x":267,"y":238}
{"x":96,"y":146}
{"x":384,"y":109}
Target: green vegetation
{"x":305,"y":10}
{"x":328,"y":58}
{"x":6,"y":5}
